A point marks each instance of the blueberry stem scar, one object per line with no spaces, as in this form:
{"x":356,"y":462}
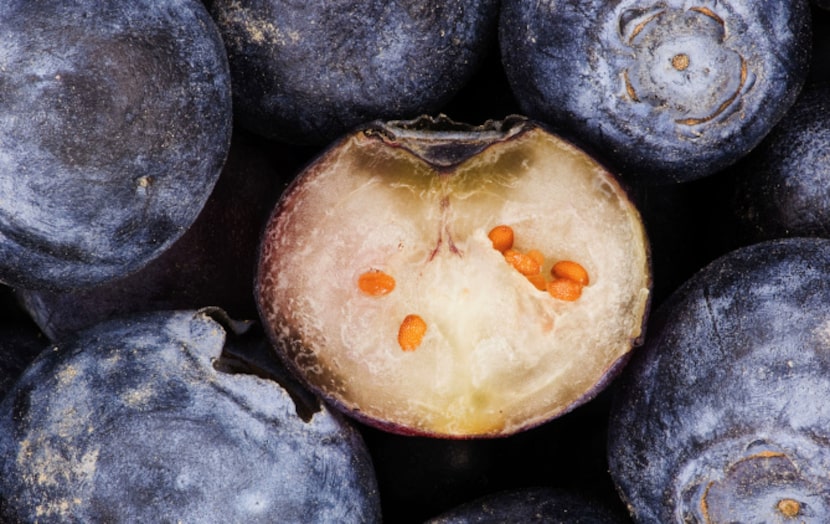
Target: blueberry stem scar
{"x":789,"y":507}
{"x":680,"y":61}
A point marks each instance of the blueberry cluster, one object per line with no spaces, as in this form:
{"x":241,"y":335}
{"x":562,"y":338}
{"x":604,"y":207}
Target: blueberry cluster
{"x":146,"y":144}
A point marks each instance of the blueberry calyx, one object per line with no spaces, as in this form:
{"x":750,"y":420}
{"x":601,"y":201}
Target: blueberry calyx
{"x":680,"y":63}
{"x":767,"y":481}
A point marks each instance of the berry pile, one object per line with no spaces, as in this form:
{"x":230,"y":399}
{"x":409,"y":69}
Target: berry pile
{"x":437,"y":261}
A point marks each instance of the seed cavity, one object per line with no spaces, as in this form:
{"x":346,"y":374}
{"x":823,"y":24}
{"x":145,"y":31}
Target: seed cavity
{"x":376,"y":283}
{"x":568,"y":277}
{"x":411,"y":333}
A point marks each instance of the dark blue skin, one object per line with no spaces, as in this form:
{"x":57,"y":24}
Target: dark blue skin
{"x":140,"y":420}
{"x":531,"y":506}
{"x":666,"y":91}
{"x":307,"y":72}
{"x":781,"y":187}
{"x":211,"y":264}
{"x":723,"y":415}
{"x":114,"y":124}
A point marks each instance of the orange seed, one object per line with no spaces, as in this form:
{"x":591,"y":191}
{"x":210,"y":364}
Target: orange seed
{"x":501,"y":237}
{"x":571,"y":271}
{"x":376,"y":283}
{"x":539,"y":281}
{"x":537,"y":255}
{"x":523,"y":263}
{"x":411,"y":333}
{"x":564,"y":289}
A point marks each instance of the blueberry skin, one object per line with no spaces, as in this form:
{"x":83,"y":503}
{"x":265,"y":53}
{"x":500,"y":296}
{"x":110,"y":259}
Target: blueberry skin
{"x":115,"y":119}
{"x":667,"y":91}
{"x":781,"y":188}
{"x":723,"y":415}
{"x":134,"y":421}
{"x":307,"y":72}
{"x":531,"y":505}
{"x":211,"y":264}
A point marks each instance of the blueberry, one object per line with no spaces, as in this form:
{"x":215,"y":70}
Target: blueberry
{"x":114,"y":124}
{"x":723,"y":415}
{"x":415,"y":271}
{"x":531,"y":505}
{"x":139,"y":420}
{"x":211,"y":264}
{"x":781,"y":187}
{"x":668,"y":91}
{"x":308,"y":72}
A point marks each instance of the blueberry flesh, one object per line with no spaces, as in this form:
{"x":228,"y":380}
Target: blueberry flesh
{"x":136,"y":420}
{"x":781,"y":187}
{"x":531,"y":505}
{"x":723,"y":414}
{"x":211,"y":264}
{"x":307,"y":72}
{"x":114,"y":124}
{"x":669,"y":91}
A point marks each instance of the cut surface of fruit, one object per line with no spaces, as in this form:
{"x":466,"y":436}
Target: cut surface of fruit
{"x":492,"y":352}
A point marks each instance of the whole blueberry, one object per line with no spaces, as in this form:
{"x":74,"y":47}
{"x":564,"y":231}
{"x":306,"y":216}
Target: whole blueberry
{"x":212,"y":263}
{"x":781,"y":189}
{"x":723,"y":415}
{"x":115,"y":120}
{"x":138,"y":420}
{"x":306,"y":72}
{"x":667,"y":91}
